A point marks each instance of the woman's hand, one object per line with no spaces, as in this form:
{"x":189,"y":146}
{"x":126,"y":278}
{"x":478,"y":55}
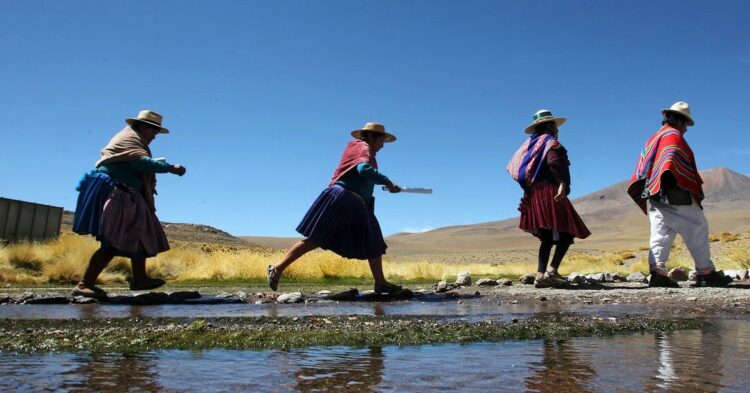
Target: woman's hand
{"x":394,"y":188}
{"x":178,"y":170}
{"x":560,"y":193}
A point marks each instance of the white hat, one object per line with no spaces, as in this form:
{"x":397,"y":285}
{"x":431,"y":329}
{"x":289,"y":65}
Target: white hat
{"x":681,"y":108}
{"x":543,"y":116}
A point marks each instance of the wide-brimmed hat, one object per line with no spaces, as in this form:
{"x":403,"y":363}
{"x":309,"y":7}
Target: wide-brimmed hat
{"x":681,"y":108}
{"x":376,"y":128}
{"x":148,"y":117}
{"x":543,"y":116}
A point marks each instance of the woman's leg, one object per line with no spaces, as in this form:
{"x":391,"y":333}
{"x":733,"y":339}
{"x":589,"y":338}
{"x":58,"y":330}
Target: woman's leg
{"x":299,"y":249}
{"x":97,"y":263}
{"x":545,"y":248}
{"x":139,"y":269}
{"x":566,"y":239}
{"x":376,"y":267}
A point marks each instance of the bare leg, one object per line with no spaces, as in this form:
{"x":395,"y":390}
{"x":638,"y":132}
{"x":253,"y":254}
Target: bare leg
{"x":97,"y":263}
{"x":376,"y":267}
{"x":299,"y":249}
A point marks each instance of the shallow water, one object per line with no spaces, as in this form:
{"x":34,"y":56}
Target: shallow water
{"x":710,"y":359}
{"x":469,"y":310}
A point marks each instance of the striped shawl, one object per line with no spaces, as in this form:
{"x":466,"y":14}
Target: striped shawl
{"x":666,"y":150}
{"x":527,"y":161}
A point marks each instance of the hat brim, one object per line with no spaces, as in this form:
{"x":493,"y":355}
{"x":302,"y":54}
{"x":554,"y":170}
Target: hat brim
{"x":690,"y":119}
{"x":558,"y":120}
{"x":131,"y":120}
{"x":388,"y":137}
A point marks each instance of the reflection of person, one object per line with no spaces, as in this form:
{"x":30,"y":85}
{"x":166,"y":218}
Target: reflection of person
{"x":688,"y":360}
{"x":667,"y":179}
{"x":560,"y":370}
{"x":118,"y":372}
{"x":116,"y":204}
{"x":358,"y":371}
{"x":342,"y":219}
{"x":541,"y":167}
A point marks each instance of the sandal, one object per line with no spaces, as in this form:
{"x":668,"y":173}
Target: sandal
{"x":148,"y":283}
{"x":272,"y":277}
{"x":387,"y":288}
{"x":94,"y":292}
{"x":556,"y":279}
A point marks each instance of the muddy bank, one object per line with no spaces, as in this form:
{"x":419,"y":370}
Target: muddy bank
{"x":137,"y":335}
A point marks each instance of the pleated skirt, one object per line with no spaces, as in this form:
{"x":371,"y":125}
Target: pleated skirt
{"x":340,"y":221}
{"x":118,"y":217}
{"x":539,"y":210}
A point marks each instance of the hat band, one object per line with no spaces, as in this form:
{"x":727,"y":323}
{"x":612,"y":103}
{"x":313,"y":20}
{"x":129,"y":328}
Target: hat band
{"x":540,"y":115}
{"x":149,"y":121}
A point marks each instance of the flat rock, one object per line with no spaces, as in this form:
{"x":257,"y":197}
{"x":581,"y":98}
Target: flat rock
{"x":150,"y":298}
{"x":292,"y":297}
{"x":371,"y":296}
{"x":83,"y":300}
{"x":636,"y":277}
{"x":486,"y":282}
{"x":48,"y":300}
{"x":182,"y":296}
{"x":576,"y":278}
{"x":348,"y":295}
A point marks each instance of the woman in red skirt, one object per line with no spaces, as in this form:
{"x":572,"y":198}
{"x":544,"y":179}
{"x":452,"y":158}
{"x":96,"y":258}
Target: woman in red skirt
{"x":541,"y":168}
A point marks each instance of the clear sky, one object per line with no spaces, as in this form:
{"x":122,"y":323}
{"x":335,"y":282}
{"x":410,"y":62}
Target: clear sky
{"x":261,"y":96}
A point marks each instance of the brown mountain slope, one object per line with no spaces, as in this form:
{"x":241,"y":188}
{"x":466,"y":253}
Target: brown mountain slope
{"x":614,"y":220}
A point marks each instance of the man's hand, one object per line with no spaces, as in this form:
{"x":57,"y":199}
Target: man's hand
{"x":394,"y":188}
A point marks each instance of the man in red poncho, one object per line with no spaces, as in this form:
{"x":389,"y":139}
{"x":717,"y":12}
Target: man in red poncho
{"x":667,"y":187}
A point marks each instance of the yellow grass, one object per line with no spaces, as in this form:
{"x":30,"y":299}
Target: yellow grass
{"x":65,"y":259}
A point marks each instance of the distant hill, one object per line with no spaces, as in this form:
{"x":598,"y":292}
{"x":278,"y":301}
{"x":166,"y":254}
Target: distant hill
{"x":192,"y":233}
{"x":615,"y":221}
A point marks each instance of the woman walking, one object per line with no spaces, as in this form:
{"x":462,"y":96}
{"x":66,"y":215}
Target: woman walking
{"x":541,"y":167}
{"x":342,"y":219}
{"x":116,"y":204}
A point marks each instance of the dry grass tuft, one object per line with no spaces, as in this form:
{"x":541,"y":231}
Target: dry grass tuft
{"x":727,"y":237}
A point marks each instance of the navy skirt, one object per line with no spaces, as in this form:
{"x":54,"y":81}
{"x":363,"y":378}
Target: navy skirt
{"x":340,"y":221}
{"x":93,"y":191}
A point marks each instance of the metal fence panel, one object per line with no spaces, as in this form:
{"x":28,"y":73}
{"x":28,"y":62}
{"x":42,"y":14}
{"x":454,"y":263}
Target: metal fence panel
{"x":28,"y":221}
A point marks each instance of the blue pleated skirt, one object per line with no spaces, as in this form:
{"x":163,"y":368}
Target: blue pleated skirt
{"x":93,"y":191}
{"x":340,"y":221}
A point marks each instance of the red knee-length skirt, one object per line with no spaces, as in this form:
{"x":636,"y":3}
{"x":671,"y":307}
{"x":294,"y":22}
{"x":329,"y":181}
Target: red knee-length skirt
{"x":539,"y":210}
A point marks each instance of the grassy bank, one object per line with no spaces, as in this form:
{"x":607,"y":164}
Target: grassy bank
{"x":138,"y":335}
{"x":63,"y":261}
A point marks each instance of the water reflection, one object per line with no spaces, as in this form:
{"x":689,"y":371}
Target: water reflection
{"x":716,"y":358}
{"x":113,"y":373}
{"x":561,"y":369}
{"x":689,"y":360}
{"x":358,"y":370}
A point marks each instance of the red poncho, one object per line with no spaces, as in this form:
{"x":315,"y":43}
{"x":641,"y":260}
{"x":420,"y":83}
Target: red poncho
{"x":666,"y":150}
{"x":357,"y":151}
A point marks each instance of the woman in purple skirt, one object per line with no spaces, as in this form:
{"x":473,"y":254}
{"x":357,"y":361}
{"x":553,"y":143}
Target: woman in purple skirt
{"x":116,"y":204}
{"x":342,"y":219}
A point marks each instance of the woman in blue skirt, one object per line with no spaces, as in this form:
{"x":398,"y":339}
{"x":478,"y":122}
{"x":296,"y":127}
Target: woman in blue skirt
{"x":342,"y":219}
{"x":116,"y":204}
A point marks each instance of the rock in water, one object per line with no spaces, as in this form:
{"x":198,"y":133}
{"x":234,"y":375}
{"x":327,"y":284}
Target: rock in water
{"x":292,"y":297}
{"x":464,"y":279}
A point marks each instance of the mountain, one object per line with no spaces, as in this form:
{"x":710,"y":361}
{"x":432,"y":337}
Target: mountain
{"x":613,"y":218}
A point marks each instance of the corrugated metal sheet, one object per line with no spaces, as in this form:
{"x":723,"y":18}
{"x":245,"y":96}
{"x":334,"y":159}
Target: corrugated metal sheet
{"x":28,"y":221}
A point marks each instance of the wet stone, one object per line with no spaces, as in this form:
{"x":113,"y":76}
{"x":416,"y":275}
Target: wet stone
{"x":83,"y":300}
{"x":150,"y":298}
{"x":576,"y":278}
{"x":505,"y":282}
{"x":371,"y":296}
{"x":442,"y":286}
{"x":350,"y":294}
{"x":292,"y":297}
{"x":182,"y":296}
{"x":596,"y":278}
{"x":48,"y":300}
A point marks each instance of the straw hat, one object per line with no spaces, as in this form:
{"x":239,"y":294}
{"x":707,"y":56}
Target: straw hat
{"x":376,"y":128}
{"x":681,"y":108}
{"x":148,"y":117}
{"x":543,"y":116}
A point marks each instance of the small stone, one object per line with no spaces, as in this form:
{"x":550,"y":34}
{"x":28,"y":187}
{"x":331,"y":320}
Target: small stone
{"x":692,"y":275}
{"x":595,"y":278}
{"x":678,"y":274}
{"x":292,"y":297}
{"x":743,"y":274}
{"x":442,"y":286}
{"x":691,"y":299}
{"x":83,"y":300}
{"x":514,"y":302}
{"x":606,"y":300}
{"x":527,"y":278}
{"x":486,"y":282}
{"x":542,"y":298}
{"x":608,"y":277}
{"x":576,"y":278}
{"x":514,"y":320}
{"x":505,"y":282}
{"x":636,"y":277}
{"x":464,"y":279}
{"x":732,"y":273}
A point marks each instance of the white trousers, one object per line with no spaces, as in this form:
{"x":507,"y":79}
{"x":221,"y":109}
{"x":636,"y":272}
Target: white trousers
{"x":690,"y":222}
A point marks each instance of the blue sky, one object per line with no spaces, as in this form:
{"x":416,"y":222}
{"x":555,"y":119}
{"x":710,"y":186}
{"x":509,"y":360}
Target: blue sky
{"x":261,"y":96}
